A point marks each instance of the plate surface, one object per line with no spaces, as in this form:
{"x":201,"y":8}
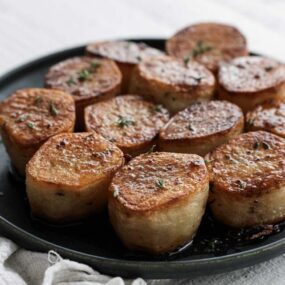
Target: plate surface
{"x":215,"y":248}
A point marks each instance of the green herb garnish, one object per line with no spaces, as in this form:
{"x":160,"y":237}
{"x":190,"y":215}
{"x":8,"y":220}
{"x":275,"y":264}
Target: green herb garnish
{"x":241,"y":184}
{"x":84,"y":75}
{"x":265,"y":145}
{"x":256,"y":145}
{"x":250,"y":122}
{"x":30,"y":125}
{"x":94,"y":65}
{"x":159,"y":183}
{"x":38,"y":99}
{"x":53,"y":110}
{"x":22,"y":118}
{"x":124,"y":122}
{"x":70,"y":81}
{"x":186,"y":60}
{"x":158,"y":108}
{"x":152,"y":149}
{"x":200,"y":48}
{"x":190,"y":128}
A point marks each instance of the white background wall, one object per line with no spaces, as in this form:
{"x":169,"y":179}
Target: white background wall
{"x":31,"y":28}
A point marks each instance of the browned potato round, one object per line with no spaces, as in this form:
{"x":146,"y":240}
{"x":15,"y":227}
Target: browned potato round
{"x":269,"y":116}
{"x":171,"y":82}
{"x":29,"y":117}
{"x":208,"y":43}
{"x":68,"y":177}
{"x":126,"y":55}
{"x":157,"y":201}
{"x":248,"y":180}
{"x":201,"y":127}
{"x":129,"y":121}
{"x":248,"y":81}
{"x":87,"y":79}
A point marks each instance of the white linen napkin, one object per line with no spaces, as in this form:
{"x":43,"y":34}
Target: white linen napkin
{"x":22,"y":267}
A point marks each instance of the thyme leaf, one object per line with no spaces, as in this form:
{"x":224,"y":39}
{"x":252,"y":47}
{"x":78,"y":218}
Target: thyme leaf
{"x":159,"y":183}
{"x":124,"y":122}
{"x":38,"y":100}
{"x":70,"y":81}
{"x":84,"y":75}
{"x":30,"y":125}
{"x":53,"y":110}
{"x":22,"y":118}
{"x":158,"y":108}
{"x":94,"y":65}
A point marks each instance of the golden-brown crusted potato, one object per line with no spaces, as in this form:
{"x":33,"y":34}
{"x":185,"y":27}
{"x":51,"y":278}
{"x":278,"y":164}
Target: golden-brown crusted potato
{"x":156,"y":202}
{"x":29,"y":117}
{"x":208,"y":43}
{"x":248,"y":81}
{"x":171,"y":82}
{"x":68,"y":177}
{"x":268,"y":116}
{"x":87,"y":79}
{"x":201,"y":127}
{"x":129,"y":121}
{"x":248,"y":180}
{"x":126,"y":55}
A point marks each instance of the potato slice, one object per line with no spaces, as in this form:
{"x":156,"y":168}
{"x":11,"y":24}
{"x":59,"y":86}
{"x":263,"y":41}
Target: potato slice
{"x":87,"y":79}
{"x":129,"y":121}
{"x":268,"y":116}
{"x":248,"y":81}
{"x":29,"y":117}
{"x":171,"y":82}
{"x":248,"y":180}
{"x":201,"y":127}
{"x":68,"y":177}
{"x":208,"y":43}
{"x":157,"y":201}
{"x":126,"y":55}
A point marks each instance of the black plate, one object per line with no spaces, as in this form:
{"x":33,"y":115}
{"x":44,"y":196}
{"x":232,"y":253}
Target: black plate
{"x":215,"y":248}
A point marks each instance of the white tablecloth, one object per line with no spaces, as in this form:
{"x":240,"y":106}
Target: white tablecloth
{"x":32,"y":28}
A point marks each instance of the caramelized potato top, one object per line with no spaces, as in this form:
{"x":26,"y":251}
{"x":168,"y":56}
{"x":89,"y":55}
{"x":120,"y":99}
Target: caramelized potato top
{"x":202,"y":119}
{"x":84,"y":77}
{"x":269,"y":116}
{"x":74,"y":159}
{"x":207,"y":43}
{"x":251,"y":74}
{"x":151,"y":181}
{"x":30,"y":116}
{"x":174,"y":72}
{"x":126,"y":120}
{"x":122,"y":51}
{"x":249,"y":164}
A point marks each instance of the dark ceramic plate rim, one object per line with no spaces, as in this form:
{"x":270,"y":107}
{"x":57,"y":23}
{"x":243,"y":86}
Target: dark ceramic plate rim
{"x":127,"y":268}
